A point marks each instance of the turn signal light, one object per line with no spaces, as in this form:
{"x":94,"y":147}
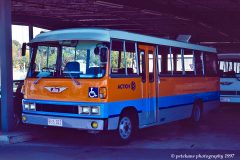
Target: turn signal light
{"x":103,"y":92}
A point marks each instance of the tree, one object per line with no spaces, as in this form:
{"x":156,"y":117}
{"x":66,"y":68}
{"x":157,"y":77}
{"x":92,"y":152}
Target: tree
{"x":19,"y":62}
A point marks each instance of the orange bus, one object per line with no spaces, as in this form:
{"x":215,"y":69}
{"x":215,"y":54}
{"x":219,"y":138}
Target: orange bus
{"x":101,"y":79}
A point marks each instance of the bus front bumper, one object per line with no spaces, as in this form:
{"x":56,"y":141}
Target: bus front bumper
{"x":65,"y":122}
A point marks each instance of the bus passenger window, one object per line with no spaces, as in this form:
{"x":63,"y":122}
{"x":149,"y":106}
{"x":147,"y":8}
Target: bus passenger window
{"x":170,"y":62}
{"x":221,"y":66}
{"x":117,"y":58}
{"x":188,"y":62}
{"x":177,"y":61}
{"x":230,"y":66}
{"x":236,"y":67}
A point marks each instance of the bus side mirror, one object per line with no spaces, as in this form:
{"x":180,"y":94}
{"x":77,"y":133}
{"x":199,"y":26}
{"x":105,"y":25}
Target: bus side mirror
{"x":103,"y":54}
{"x":96,"y":51}
{"x":24,"y":45}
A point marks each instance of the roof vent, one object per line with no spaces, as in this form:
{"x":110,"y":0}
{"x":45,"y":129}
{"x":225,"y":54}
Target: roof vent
{"x":184,"y":38}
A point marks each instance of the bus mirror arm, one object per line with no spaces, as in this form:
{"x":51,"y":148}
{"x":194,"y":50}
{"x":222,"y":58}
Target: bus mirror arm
{"x":103,"y":54}
{"x":24,"y":45}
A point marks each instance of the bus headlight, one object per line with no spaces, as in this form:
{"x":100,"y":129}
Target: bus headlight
{"x":29,"y":106}
{"x":95,"y":110}
{"x":32,"y":106}
{"x":86,"y":110}
{"x":26,"y":106}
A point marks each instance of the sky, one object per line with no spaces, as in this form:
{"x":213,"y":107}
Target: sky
{"x":20,"y":33}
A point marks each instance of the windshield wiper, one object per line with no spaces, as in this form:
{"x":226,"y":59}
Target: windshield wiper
{"x":75,"y":82}
{"x":37,"y":80}
{"x":42,"y":76}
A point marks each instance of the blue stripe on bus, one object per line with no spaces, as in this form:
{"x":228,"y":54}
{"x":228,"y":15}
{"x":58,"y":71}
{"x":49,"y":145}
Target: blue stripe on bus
{"x":187,"y":99}
{"x":113,"y":109}
{"x":180,"y":105}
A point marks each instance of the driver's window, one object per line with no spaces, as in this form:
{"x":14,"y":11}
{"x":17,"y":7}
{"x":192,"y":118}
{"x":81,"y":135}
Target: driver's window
{"x":117,"y":58}
{"x":45,"y":59}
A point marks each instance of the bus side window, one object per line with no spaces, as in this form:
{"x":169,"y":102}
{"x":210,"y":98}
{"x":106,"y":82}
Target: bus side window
{"x":188,"y":62}
{"x":198,"y":63}
{"x":117,"y":58}
{"x":142,"y":65}
{"x":236,"y":67}
{"x":177,"y":61}
{"x":170,"y":62}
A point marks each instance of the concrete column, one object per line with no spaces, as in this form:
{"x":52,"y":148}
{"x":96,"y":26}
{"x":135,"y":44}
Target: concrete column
{"x":30,"y":29}
{"x":7,"y":112}
{"x":30,"y":36}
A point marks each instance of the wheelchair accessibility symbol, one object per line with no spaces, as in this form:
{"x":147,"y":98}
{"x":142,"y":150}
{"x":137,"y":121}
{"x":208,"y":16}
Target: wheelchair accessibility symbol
{"x":93,"y":92}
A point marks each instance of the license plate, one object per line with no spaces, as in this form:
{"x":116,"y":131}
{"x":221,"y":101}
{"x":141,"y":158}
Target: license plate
{"x":54,"y":122}
{"x":224,"y":99}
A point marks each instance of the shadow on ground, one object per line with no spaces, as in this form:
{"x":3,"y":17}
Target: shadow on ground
{"x":218,"y":130}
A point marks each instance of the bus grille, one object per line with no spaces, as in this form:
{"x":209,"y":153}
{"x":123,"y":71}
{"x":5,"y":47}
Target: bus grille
{"x":230,"y":92}
{"x":57,"y":108}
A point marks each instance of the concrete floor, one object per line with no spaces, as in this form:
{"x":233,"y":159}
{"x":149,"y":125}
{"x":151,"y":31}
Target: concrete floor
{"x":217,"y":137}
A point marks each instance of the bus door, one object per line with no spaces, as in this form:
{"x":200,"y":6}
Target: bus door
{"x":149,"y":82}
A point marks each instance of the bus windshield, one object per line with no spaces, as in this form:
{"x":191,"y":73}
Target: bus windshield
{"x":67,"y":59}
{"x":229,"y":68}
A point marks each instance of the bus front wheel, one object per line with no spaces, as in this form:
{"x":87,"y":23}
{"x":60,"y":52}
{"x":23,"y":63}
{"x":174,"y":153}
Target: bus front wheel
{"x":126,"y":128}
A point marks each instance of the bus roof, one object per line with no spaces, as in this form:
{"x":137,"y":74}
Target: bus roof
{"x":229,"y":57}
{"x":105,"y":35}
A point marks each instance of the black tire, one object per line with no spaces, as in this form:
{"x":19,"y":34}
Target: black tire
{"x":197,"y":113}
{"x":126,"y":130}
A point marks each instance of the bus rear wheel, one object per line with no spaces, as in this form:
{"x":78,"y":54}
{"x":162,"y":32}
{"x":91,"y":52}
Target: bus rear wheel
{"x":196,"y":113}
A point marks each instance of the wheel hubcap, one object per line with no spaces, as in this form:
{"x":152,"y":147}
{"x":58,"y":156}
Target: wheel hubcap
{"x":125,"y":128}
